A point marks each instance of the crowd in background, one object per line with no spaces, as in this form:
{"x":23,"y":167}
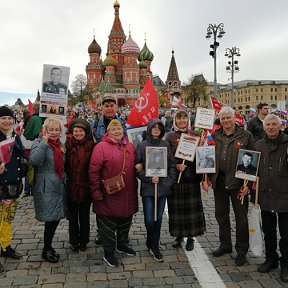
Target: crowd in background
{"x":71,"y":163}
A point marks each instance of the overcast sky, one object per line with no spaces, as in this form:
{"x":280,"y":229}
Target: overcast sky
{"x":37,"y":32}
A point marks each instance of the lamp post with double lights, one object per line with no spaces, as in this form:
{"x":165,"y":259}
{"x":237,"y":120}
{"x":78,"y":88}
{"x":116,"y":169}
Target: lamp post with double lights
{"x":217,"y":31}
{"x":232,"y":68}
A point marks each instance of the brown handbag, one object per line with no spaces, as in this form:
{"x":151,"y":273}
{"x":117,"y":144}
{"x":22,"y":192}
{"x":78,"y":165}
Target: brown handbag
{"x":115,"y":184}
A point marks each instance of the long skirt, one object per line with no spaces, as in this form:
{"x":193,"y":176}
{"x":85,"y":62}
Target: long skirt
{"x":186,"y":216}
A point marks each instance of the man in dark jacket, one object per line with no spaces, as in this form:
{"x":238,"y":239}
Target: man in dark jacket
{"x":255,"y":125}
{"x":229,"y":139}
{"x":273,"y":194}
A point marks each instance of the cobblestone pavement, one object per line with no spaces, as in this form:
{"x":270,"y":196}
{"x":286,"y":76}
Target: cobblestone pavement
{"x":88,"y":270}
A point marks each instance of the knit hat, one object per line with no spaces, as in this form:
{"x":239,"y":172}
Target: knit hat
{"x":114,"y":123}
{"x":80,"y":123}
{"x":5,"y":111}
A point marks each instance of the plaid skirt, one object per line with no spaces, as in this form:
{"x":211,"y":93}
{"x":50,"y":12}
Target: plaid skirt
{"x":185,"y":209}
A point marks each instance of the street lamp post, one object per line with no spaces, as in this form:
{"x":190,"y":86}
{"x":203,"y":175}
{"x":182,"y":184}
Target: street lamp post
{"x":232,"y":68}
{"x":217,"y":31}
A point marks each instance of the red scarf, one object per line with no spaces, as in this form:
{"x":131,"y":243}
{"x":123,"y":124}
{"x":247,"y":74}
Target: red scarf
{"x":58,"y":157}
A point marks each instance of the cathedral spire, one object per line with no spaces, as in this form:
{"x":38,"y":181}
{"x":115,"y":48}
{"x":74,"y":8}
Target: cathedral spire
{"x":173,"y":77}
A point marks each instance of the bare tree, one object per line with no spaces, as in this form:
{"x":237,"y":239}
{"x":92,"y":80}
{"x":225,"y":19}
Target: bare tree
{"x":79,"y":85}
{"x":195,"y":89}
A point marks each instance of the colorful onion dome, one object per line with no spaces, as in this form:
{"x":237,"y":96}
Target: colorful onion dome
{"x":142,"y":65}
{"x":130,"y":46}
{"x":109,"y":61}
{"x":145,"y":54}
{"x":94,"y":47}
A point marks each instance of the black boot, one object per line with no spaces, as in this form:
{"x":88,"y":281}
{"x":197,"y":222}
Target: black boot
{"x":177,"y":242}
{"x":1,"y":269}
{"x":50,"y":255}
{"x":190,"y":244}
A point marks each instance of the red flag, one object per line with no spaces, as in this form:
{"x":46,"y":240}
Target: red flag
{"x":6,"y":149}
{"x":217,"y":105}
{"x":146,"y":106}
{"x":30,"y":107}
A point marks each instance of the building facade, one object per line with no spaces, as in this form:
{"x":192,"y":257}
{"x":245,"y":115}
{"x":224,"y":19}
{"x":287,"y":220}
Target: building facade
{"x":125,"y":68}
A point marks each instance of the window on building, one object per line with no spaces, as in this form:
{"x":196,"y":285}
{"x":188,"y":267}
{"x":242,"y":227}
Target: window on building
{"x":275,"y":89}
{"x":261,"y":98}
{"x":256,"y":90}
{"x":285,"y":89}
{"x":271,"y":97}
{"x":271,"y":89}
{"x":261,"y":89}
{"x":256,"y":97}
{"x":275,"y":97}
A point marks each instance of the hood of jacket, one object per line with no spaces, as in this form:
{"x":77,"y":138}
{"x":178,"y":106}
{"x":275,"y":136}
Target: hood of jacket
{"x":151,"y":123}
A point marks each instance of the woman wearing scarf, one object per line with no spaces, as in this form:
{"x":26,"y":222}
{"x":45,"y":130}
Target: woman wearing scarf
{"x":186,"y":216}
{"x":114,"y":211}
{"x":47,"y":157}
{"x":78,"y":153}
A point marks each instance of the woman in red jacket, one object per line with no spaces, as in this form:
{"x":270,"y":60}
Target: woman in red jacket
{"x":114,"y":211}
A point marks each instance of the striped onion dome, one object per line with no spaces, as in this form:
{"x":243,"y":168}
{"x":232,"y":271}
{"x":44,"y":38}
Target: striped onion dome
{"x":145,"y":54}
{"x":130,"y":46}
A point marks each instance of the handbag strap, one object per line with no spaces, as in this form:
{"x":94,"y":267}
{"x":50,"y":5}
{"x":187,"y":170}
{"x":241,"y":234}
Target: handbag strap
{"x":124,"y":159}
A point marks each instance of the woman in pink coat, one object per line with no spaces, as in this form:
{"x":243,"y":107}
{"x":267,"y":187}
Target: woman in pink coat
{"x":114,"y":212}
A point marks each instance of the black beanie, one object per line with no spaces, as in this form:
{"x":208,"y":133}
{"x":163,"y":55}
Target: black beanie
{"x":5,"y":111}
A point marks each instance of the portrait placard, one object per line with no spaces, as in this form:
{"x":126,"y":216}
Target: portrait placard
{"x":187,"y":147}
{"x":135,"y":135}
{"x":247,"y":164}
{"x":204,"y":118}
{"x":156,"y":162}
{"x":54,"y":92}
{"x":205,"y":159}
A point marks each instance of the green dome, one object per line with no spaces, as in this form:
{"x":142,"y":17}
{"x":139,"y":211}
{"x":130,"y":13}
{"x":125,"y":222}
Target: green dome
{"x":145,"y":54}
{"x":110,"y":61}
{"x":142,"y":65}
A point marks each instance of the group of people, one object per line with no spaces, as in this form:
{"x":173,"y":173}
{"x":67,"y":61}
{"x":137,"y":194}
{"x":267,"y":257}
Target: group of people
{"x":69,"y":178}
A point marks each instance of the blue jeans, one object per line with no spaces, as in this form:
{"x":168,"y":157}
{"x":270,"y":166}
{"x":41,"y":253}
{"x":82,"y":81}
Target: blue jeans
{"x":153,"y":227}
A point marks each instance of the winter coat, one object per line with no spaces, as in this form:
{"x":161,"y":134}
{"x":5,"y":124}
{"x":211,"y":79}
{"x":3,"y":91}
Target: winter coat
{"x":33,"y":128}
{"x":49,"y":190}
{"x":255,"y":126}
{"x":240,"y":139}
{"x":273,"y":174}
{"x":165,"y":183}
{"x":106,"y":162}
{"x":78,"y":154}
{"x":16,"y":169}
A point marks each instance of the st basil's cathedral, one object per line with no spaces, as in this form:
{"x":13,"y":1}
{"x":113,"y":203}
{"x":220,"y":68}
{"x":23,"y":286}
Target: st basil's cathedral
{"x":124,"y":71}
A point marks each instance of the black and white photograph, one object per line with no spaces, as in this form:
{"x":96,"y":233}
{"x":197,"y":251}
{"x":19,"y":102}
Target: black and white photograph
{"x":55,"y":79}
{"x":136,"y":135}
{"x":205,"y":159}
{"x":156,"y":162}
{"x":247,"y":164}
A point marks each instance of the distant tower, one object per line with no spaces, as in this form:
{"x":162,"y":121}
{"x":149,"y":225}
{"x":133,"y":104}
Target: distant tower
{"x":117,"y":38}
{"x":110,"y":64}
{"x":173,"y":83}
{"x":94,"y":69}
